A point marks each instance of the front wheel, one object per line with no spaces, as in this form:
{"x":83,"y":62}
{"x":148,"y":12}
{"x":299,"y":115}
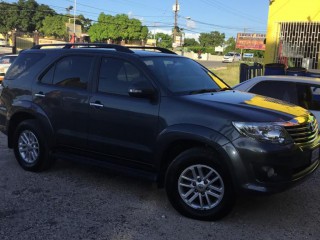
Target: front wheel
{"x":198,"y":187}
{"x":30,"y":146}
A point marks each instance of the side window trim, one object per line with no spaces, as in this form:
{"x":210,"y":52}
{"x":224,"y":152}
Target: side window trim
{"x":53,"y":66}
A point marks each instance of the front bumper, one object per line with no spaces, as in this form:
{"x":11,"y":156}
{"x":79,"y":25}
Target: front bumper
{"x":270,"y":168}
{"x":227,"y":60}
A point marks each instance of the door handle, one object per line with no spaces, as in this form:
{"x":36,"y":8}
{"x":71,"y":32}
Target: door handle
{"x":96,"y":104}
{"x":40,"y":94}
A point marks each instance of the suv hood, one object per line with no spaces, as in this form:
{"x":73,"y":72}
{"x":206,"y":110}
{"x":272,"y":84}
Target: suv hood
{"x":248,"y":106}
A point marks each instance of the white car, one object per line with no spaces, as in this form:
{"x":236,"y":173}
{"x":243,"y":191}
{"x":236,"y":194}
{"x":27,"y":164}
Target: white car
{"x":231,"y":57}
{"x":5,"y":62}
{"x":302,"y":91}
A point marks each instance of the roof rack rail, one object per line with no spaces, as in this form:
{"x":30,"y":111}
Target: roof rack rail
{"x":118,"y":48}
{"x":163,"y":50}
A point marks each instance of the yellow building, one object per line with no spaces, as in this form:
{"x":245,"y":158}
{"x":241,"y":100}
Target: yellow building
{"x":293,"y":34}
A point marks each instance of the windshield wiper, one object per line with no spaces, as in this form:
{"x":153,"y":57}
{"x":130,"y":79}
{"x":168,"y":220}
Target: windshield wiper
{"x":205,"y":90}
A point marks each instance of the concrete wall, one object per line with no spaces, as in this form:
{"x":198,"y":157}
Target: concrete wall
{"x":204,"y":56}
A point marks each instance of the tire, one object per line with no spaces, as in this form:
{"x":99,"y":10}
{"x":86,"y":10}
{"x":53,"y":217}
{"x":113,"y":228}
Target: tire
{"x":30,"y":147}
{"x":198,"y":186}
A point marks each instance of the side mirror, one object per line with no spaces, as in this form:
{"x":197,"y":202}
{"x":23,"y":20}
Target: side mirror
{"x":141,"y":89}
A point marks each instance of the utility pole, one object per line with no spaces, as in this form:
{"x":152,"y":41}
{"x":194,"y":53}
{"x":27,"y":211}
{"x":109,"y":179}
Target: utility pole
{"x":175,"y":8}
{"x":74,"y":21}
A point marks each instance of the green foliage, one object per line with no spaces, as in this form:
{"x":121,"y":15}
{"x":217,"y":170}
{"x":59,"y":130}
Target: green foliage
{"x":55,"y":26}
{"x":84,"y":22}
{"x":190,"y":42}
{"x":257,"y":53}
{"x":212,"y":39}
{"x":166,"y":40}
{"x":24,"y":16}
{"x":230,"y":45}
{"x":117,"y":28}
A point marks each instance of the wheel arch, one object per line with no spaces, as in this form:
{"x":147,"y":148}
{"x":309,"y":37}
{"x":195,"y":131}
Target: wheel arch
{"x":22,"y":115}
{"x":176,"y":140}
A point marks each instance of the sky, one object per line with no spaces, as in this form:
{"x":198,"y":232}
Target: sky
{"x":195,"y":16}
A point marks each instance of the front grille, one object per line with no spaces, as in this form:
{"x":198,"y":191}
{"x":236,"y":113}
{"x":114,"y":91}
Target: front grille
{"x":304,"y":134}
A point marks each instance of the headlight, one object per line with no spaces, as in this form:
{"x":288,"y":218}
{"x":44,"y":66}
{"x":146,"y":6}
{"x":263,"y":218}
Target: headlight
{"x":266,"y":132}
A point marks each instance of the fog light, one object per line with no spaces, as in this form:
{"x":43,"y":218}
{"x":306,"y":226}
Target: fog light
{"x":269,"y":171}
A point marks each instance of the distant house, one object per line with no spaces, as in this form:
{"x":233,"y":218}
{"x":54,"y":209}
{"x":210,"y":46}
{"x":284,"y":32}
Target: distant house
{"x":293,"y":34}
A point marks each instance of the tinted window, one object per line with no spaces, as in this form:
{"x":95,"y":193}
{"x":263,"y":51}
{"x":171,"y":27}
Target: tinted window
{"x":72,"y":71}
{"x":315,"y":97}
{"x":181,"y":75}
{"x":308,"y":96}
{"x":284,"y":91}
{"x":48,"y":76}
{"x":22,"y":64}
{"x":116,"y":76}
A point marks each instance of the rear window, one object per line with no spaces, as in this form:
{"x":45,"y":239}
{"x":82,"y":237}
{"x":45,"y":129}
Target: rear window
{"x":22,"y":65}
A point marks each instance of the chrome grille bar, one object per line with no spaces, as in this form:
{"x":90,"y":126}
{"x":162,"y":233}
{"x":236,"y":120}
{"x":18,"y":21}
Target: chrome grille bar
{"x":305,"y":133}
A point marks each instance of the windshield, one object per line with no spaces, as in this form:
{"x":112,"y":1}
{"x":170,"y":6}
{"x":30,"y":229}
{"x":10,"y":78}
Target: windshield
{"x":183,"y":75}
{"x":229,"y":54}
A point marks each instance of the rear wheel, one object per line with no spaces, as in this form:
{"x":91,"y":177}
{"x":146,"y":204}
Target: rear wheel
{"x":30,"y":146}
{"x":198,"y":187}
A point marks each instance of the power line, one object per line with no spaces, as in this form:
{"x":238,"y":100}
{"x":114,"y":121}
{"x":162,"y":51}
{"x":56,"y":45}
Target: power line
{"x":230,"y":10}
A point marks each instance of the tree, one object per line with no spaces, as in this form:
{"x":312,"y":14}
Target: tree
{"x":119,"y":27}
{"x":8,"y":21}
{"x":24,"y":15}
{"x":190,"y":42}
{"x":55,"y":26}
{"x":212,"y":39}
{"x":230,"y":45}
{"x":163,"y":40}
{"x":84,"y":22}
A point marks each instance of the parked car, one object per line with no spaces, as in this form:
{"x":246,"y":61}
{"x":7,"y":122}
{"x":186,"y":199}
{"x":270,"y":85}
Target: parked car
{"x":298,"y":90}
{"x":5,"y":62}
{"x":231,"y":57}
{"x":157,"y":115}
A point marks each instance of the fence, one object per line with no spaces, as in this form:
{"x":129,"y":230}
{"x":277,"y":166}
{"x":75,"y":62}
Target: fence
{"x":247,"y":72}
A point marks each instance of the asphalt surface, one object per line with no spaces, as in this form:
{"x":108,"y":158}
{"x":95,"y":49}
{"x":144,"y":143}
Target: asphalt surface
{"x":72,"y":201}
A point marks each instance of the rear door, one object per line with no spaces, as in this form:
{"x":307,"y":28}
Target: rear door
{"x":62,"y":93}
{"x":122,"y":126}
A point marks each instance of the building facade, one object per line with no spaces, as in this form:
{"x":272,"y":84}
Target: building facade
{"x":293,"y":34}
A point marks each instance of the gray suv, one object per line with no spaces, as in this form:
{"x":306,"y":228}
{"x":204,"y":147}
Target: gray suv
{"x":156,"y":115}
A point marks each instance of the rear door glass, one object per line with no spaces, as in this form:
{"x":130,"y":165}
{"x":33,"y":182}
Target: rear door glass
{"x":21,"y":66}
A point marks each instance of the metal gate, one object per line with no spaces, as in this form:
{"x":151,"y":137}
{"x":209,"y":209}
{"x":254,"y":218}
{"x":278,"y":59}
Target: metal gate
{"x":299,"y":44}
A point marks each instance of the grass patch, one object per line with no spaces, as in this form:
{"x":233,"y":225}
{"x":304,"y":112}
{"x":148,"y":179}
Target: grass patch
{"x":230,"y":73}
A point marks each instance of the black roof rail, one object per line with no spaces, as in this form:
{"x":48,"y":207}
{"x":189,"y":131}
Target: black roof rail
{"x":118,"y":48}
{"x":163,"y":50}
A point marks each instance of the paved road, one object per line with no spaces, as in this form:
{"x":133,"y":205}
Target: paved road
{"x":79,"y":202}
{"x":213,"y":64}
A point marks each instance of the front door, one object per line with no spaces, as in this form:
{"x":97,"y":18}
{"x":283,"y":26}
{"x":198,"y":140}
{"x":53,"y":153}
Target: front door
{"x":121,"y":126}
